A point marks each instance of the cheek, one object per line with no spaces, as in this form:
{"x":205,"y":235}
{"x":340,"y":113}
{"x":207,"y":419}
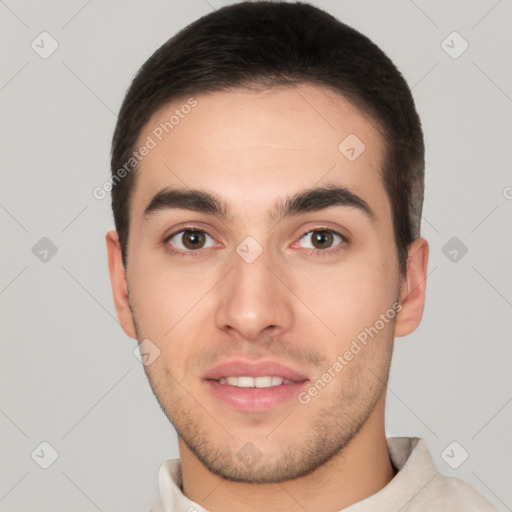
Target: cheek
{"x":163,"y":293}
{"x":347,"y":296}
{"x":169,"y":309}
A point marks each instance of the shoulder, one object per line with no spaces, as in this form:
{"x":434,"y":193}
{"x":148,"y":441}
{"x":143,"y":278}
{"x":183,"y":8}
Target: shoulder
{"x":424,"y":488}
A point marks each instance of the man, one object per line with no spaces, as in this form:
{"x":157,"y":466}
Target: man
{"x":267,"y":189}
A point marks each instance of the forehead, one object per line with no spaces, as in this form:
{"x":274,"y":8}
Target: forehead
{"x":252,"y":148}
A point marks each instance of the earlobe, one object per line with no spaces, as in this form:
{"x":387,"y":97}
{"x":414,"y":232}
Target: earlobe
{"x":119,"y":287}
{"x":412,"y":292}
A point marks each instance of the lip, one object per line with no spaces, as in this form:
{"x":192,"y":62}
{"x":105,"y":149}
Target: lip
{"x":260,"y":368}
{"x":254,"y":399}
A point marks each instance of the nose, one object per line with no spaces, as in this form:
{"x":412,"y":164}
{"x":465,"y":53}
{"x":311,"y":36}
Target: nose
{"x":254,"y":302}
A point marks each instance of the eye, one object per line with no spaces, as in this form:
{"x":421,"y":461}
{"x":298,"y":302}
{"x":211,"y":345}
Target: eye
{"x":190,"y":240}
{"x":320,"y":239}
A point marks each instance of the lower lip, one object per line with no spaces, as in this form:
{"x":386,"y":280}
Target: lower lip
{"x":254,"y":399}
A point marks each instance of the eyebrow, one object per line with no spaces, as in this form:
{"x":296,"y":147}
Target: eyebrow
{"x":309,"y":200}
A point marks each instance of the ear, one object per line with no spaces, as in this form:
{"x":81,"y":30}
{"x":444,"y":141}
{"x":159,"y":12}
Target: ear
{"x":412,"y":291}
{"x":119,"y":286}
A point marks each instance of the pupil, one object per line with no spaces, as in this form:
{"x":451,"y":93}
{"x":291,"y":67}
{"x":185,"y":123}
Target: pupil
{"x":322,"y":239}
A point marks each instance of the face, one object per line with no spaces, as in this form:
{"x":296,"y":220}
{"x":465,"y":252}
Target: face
{"x":262,"y":269}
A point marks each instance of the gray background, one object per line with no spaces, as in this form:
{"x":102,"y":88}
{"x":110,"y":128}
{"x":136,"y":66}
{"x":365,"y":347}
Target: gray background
{"x":68,"y":375}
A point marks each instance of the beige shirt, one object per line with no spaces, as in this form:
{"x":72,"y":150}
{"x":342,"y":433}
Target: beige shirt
{"x":417,"y":487}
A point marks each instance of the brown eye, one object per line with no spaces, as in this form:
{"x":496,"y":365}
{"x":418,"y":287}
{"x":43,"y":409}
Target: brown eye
{"x":193,"y":239}
{"x":190,"y":240}
{"x":321,"y":239}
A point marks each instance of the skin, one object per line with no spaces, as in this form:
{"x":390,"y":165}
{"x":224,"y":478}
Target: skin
{"x":292,"y":304}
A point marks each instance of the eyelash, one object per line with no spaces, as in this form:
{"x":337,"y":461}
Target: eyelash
{"x":317,"y":252}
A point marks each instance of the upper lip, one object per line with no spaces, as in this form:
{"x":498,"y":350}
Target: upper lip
{"x":260,"y":368}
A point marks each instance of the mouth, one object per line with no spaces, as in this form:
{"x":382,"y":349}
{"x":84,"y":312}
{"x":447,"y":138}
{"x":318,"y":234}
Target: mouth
{"x":254,"y":386}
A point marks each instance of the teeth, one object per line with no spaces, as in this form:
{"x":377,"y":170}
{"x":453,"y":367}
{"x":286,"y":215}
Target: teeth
{"x":254,"y":382}
{"x":265,"y":382}
{"x":245,"y":382}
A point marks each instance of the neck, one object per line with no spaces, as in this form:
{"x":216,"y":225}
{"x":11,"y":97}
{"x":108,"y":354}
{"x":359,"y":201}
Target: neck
{"x":360,"y":469}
